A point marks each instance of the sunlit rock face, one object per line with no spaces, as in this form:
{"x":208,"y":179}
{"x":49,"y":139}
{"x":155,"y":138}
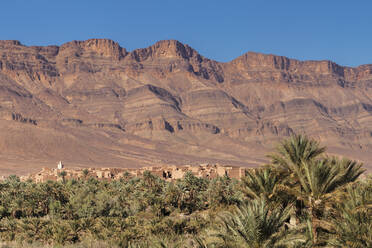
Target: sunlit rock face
{"x":93,"y":103}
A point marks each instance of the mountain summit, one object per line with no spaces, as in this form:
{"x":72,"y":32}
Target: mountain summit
{"x":93,"y":103}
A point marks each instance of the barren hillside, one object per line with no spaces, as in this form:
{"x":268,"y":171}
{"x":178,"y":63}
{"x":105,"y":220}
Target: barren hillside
{"x":93,"y":103}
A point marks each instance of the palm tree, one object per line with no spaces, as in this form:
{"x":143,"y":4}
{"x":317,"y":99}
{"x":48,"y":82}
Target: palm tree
{"x":75,"y":228}
{"x":295,"y":150}
{"x":264,"y":183}
{"x":8,"y":229}
{"x":59,"y":232}
{"x":31,"y":228}
{"x":313,"y":180}
{"x":252,"y":225}
{"x":318,"y":181}
{"x":87,"y":225}
{"x":223,"y":191}
{"x":85,"y":173}
{"x":105,"y":228}
{"x":63,"y":174}
{"x":353,"y":220}
{"x":192,"y":188}
{"x":350,"y":169}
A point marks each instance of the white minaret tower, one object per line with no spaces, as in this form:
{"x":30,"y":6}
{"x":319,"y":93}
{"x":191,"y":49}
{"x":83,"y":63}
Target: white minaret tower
{"x":60,"y":165}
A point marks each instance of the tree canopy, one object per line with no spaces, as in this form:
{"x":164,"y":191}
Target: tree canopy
{"x":302,"y":198}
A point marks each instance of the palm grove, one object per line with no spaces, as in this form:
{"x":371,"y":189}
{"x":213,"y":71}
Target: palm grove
{"x":303,"y":198}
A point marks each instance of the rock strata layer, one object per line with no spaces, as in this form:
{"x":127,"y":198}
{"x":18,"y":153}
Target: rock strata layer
{"x":93,"y":103}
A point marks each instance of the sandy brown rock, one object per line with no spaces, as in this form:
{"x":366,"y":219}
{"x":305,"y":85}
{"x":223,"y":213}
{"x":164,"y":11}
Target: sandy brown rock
{"x":93,"y":103}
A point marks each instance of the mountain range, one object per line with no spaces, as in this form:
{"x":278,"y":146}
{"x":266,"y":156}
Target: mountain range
{"x":94,"y":104}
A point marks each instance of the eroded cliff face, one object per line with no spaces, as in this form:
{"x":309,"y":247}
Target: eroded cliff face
{"x":94,"y":103}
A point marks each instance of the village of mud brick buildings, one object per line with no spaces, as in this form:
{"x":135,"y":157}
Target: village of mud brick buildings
{"x":166,"y":172}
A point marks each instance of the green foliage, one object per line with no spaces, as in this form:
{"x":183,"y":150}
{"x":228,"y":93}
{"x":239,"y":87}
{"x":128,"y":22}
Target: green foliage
{"x":223,"y":191}
{"x":251,"y":225}
{"x":266,"y":183}
{"x":301,"y":199}
{"x":352,"y":223}
{"x":294,"y":151}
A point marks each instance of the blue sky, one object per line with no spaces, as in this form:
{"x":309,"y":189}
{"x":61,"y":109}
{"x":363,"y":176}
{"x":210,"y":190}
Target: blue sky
{"x":340,"y":31}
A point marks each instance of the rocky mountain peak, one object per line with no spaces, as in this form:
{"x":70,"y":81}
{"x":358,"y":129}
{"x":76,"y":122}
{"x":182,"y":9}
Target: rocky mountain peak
{"x":101,"y":47}
{"x":253,"y":59}
{"x":260,"y":61}
{"x":166,"y":49}
{"x":92,"y":103}
{"x":7,"y":43}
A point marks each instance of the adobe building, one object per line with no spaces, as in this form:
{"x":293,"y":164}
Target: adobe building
{"x":168,"y":173}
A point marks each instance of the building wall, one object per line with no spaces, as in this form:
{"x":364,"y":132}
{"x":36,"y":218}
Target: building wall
{"x":165,"y":172}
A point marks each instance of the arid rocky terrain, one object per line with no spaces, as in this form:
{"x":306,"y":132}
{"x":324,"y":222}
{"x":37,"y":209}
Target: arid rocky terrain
{"x":93,"y":103}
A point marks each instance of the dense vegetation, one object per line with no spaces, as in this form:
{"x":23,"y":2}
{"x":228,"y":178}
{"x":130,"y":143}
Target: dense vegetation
{"x":303,"y":198}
